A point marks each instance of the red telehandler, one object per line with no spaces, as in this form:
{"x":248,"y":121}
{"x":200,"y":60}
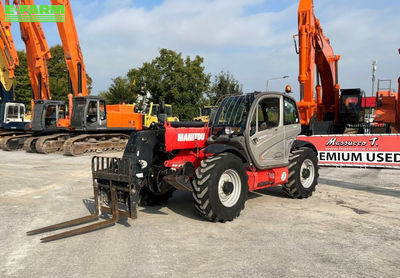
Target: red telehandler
{"x":250,"y":145}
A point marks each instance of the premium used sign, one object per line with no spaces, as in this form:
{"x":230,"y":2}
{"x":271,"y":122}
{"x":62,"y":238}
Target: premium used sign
{"x":357,"y":150}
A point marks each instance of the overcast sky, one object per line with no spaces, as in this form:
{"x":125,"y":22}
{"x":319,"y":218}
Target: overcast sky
{"x":250,"y":38}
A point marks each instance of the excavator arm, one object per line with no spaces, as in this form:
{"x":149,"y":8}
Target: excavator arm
{"x":72,"y":50}
{"x":37,"y":52}
{"x":8,"y":58}
{"x":316,"y":61}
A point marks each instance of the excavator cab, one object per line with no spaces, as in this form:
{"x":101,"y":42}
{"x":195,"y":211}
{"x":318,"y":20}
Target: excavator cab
{"x":46,"y":114}
{"x":206,"y":113}
{"x":89,"y":113}
{"x":153,"y":111}
{"x":12,"y":116}
{"x":350,"y":109}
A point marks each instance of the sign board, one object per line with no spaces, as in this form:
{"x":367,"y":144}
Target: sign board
{"x":372,"y":150}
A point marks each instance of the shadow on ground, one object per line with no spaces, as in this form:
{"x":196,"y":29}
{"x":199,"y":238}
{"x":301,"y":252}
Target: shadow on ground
{"x":366,"y":188}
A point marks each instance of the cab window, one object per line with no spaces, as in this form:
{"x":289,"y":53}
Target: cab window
{"x":291,"y":115}
{"x":266,"y":116}
{"x":61,"y":112}
{"x":12,"y":112}
{"x":92,"y":112}
{"x":102,"y":108}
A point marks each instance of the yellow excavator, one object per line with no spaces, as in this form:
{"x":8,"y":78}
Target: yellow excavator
{"x":153,"y":111}
{"x":206,"y":113}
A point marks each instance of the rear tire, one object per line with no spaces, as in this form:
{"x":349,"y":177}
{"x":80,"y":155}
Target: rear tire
{"x":303,"y":173}
{"x":220,"y":187}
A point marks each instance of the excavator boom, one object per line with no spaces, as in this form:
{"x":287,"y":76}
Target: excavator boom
{"x":8,"y":58}
{"x":37,"y":52}
{"x":316,"y":61}
{"x":72,"y":50}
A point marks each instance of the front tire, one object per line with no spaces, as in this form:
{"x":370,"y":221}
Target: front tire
{"x":220,"y":187}
{"x":303,"y":173}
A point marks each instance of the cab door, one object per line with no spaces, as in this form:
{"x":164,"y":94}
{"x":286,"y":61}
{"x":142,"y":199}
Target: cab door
{"x":267,"y":133}
{"x":96,"y":117}
{"x":291,"y":122}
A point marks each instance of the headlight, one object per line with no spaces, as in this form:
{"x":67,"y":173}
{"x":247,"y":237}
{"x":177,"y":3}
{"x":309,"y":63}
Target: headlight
{"x":229,"y":130}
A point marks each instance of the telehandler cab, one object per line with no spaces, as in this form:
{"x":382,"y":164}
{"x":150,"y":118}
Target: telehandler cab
{"x":250,"y":145}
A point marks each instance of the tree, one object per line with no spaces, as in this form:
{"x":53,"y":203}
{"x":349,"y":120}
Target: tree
{"x":119,"y":91}
{"x":22,"y":85}
{"x":170,"y":78}
{"x":224,"y":84}
{"x":58,"y":74}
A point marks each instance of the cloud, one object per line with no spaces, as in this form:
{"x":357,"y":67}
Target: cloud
{"x":252,"y":46}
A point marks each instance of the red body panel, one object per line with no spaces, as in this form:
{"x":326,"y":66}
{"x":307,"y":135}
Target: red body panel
{"x":190,"y":141}
{"x":267,"y":178}
{"x":185,"y":138}
{"x":185,"y":156}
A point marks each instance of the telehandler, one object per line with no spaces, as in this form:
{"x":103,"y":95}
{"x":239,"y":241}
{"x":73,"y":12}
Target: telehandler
{"x":250,"y":145}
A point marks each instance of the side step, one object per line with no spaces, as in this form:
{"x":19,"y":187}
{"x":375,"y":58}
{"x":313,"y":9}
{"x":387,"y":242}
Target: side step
{"x":115,"y":175}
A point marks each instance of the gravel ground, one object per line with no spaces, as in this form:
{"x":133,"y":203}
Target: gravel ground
{"x":350,"y":227}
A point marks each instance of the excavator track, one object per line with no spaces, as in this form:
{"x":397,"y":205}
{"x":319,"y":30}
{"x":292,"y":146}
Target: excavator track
{"x":30,"y":144}
{"x":12,"y":143}
{"x":95,"y":143}
{"x":52,"y":143}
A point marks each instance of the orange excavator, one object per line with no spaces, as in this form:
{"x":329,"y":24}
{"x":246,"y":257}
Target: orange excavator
{"x":93,"y":125}
{"x":324,"y":110}
{"x":315,"y":50}
{"x":334,"y":117}
{"x":387,"y":108}
{"x":12,"y":113}
{"x":45,"y":112}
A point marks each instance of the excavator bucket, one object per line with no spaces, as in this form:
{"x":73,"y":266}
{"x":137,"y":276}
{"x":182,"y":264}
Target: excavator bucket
{"x":114,"y":186}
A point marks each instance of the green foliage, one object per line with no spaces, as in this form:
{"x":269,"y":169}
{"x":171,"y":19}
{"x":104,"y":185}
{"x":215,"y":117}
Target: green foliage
{"x":173,"y":79}
{"x":224,"y":84}
{"x":58,"y":74}
{"x":22,"y":85}
{"x":119,"y":91}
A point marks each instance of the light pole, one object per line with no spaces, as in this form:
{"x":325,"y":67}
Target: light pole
{"x":282,"y":77}
{"x":374,"y":63}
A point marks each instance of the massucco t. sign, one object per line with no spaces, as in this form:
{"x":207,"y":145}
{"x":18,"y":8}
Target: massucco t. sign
{"x":357,"y":150}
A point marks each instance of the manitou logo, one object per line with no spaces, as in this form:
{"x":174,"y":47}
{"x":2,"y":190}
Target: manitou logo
{"x":187,"y":137}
